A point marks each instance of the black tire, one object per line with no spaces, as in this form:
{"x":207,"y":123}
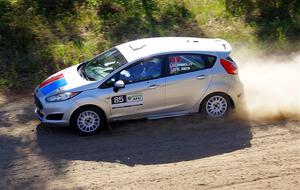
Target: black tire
{"x":87,"y":120}
{"x":207,"y":107}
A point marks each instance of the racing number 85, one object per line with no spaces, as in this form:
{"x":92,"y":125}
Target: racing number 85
{"x":118,"y":99}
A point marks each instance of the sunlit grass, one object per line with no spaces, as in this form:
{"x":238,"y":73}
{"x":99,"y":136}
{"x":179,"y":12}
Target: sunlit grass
{"x":38,"y":39}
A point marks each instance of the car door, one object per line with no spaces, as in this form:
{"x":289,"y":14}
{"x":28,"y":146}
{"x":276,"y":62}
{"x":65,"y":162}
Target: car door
{"x":144,"y":91}
{"x":188,"y":78}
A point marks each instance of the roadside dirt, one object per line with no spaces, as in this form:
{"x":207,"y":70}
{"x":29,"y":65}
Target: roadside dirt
{"x":174,"y":153}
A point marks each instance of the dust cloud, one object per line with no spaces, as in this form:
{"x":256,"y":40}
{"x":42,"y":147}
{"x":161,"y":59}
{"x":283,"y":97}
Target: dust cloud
{"x":271,"y":85}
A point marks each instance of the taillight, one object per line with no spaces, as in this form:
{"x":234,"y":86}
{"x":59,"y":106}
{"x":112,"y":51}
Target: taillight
{"x":229,"y":67}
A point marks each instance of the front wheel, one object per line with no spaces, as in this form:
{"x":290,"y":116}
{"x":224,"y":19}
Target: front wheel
{"x":87,"y":120}
{"x":216,"y":105}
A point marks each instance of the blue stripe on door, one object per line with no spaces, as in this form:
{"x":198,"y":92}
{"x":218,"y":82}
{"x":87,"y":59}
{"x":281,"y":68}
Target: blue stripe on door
{"x":53,"y":86}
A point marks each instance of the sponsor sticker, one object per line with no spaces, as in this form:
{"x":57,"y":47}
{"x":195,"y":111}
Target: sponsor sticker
{"x":185,"y":68}
{"x":135,"y":98}
{"x":130,"y":100}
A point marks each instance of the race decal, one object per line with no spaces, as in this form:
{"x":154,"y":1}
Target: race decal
{"x":177,"y":64}
{"x":52,"y":84}
{"x":123,"y":101}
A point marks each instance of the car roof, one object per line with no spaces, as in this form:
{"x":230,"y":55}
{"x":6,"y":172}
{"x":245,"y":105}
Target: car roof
{"x":137,"y":49}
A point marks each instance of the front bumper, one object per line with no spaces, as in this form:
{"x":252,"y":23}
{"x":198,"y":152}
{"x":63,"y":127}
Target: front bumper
{"x":45,"y":110}
{"x":42,"y":117}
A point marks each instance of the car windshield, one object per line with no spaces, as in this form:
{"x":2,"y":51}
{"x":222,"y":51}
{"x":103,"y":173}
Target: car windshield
{"x":102,"y":65}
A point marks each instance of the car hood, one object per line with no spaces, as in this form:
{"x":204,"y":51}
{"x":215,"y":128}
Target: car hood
{"x":65,"y":80}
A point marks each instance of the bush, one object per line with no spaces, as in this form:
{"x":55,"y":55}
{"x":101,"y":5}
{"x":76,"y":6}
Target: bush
{"x":40,"y":37}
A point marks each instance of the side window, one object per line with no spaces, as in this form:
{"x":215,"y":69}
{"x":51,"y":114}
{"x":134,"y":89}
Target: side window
{"x":184,"y":63}
{"x":144,"y":70}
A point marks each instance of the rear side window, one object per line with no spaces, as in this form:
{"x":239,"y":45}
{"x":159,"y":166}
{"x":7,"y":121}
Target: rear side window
{"x":229,"y":59}
{"x":184,"y":63}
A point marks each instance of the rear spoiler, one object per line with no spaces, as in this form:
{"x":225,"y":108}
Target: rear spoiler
{"x":224,"y":48}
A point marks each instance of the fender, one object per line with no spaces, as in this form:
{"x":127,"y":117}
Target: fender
{"x":215,"y":86}
{"x":97,"y":97}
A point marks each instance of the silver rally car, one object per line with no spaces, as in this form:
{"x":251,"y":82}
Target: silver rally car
{"x":147,"y":78}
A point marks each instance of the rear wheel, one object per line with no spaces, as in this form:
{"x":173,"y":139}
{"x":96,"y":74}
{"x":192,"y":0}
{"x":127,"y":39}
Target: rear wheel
{"x":216,"y":105}
{"x":87,"y":120}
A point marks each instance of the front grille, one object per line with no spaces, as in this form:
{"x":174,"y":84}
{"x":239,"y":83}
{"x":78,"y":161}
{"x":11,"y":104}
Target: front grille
{"x":38,"y":103}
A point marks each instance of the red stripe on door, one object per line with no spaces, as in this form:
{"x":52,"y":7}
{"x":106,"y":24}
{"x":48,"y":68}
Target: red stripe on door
{"x":52,"y":79}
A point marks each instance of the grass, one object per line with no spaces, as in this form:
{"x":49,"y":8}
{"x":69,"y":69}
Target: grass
{"x":38,"y":37}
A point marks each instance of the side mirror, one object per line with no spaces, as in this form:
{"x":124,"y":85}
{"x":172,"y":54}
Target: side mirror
{"x":118,"y":84}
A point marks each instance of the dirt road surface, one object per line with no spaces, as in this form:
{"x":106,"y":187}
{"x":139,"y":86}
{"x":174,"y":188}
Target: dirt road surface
{"x":175,"y":153}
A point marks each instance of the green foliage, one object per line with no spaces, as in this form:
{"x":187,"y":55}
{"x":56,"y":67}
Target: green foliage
{"x":276,"y":22}
{"x":128,"y":20}
{"x":40,"y":37}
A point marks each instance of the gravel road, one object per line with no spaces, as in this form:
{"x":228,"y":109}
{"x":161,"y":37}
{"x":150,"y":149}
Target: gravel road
{"x":175,"y":153}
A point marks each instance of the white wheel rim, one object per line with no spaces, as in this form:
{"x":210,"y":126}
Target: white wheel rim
{"x":216,"y":106}
{"x":88,"y":121}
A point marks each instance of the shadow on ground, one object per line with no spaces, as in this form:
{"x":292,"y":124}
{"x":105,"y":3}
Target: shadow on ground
{"x":31,"y":156}
{"x":147,"y":142}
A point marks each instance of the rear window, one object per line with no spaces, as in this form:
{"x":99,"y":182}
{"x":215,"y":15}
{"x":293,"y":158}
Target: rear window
{"x":230,"y":59}
{"x":184,"y":63}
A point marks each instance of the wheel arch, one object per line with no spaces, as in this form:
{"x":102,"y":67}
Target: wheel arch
{"x":217,"y":92}
{"x":87,"y":106}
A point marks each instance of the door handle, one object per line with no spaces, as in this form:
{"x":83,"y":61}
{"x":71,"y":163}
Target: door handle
{"x":153,"y":86}
{"x":201,"y":77}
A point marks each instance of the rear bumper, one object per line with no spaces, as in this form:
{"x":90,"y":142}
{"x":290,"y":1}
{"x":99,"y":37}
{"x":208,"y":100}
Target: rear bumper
{"x":236,"y":92}
{"x":238,"y":100}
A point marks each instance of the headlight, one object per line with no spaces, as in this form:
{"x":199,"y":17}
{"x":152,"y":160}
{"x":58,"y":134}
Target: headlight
{"x":61,"y":97}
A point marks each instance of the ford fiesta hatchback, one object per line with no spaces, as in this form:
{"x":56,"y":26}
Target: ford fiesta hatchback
{"x":147,"y":78}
